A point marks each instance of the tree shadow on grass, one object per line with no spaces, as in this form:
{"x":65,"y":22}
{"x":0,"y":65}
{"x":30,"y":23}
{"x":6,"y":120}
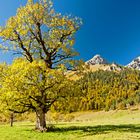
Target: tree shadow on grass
{"x":95,"y":130}
{"x":99,"y":129}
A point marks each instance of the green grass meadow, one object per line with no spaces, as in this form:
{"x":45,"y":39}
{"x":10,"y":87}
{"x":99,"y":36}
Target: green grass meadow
{"x":112,"y":125}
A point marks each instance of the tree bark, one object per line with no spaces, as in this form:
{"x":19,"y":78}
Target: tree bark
{"x":41,"y":121}
{"x":11,"y":119}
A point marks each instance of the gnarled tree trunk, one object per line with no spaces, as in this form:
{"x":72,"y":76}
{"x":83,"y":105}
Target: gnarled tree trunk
{"x":40,"y":121}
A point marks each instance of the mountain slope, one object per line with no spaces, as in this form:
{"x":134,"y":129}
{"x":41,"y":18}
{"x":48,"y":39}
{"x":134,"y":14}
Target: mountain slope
{"x":135,"y":64}
{"x":99,"y":63}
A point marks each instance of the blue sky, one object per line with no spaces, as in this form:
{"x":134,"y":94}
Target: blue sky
{"x":110,"y":28}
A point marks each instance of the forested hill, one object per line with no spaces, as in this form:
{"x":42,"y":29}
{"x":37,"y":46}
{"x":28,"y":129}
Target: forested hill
{"x":103,"y":90}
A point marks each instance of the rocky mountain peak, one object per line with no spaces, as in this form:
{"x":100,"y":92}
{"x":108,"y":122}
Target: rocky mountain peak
{"x":135,"y":64}
{"x":97,"y":59}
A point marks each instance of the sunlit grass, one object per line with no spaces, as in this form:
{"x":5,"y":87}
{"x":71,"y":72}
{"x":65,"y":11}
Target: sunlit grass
{"x":120,"y":125}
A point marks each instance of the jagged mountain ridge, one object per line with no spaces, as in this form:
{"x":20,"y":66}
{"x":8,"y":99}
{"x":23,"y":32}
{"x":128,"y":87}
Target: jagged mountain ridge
{"x":113,"y":67}
{"x":99,"y":63}
{"x":98,"y":60}
{"x":135,"y":64}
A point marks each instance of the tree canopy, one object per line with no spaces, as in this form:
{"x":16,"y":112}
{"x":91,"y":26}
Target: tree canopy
{"x":38,"y":32}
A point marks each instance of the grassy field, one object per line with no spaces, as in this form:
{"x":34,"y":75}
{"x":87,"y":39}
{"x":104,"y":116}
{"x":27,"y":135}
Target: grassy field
{"x":112,"y":125}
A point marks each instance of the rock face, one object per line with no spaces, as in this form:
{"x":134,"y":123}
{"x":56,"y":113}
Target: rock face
{"x":135,"y":64}
{"x":113,"y":67}
{"x":97,"y":59}
{"x":101,"y":63}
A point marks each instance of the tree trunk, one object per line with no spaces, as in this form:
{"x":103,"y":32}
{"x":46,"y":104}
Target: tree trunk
{"x":11,"y":119}
{"x":40,"y":121}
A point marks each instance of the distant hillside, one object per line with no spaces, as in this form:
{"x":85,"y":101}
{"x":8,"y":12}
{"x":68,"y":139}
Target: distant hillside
{"x":98,"y":62}
{"x":105,"y":67}
{"x":104,"y":90}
